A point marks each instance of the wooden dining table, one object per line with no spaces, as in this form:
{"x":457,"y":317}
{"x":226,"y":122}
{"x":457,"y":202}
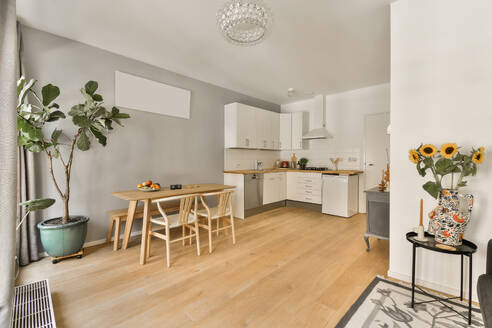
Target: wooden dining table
{"x":134,"y":196}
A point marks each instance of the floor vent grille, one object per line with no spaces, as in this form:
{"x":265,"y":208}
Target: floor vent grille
{"x":32,"y":306}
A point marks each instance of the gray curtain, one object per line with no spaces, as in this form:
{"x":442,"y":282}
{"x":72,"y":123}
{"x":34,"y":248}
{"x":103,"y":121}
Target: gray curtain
{"x":27,"y":238}
{"x":8,"y":155}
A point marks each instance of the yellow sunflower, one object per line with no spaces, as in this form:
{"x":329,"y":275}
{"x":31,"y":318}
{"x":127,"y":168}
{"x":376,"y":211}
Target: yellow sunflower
{"x":414,"y":156}
{"x":449,"y":150}
{"x":481,"y":149}
{"x":428,"y":150}
{"x":478,"y":157}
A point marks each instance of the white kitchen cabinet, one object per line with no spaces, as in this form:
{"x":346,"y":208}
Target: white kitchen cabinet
{"x":299,"y":128}
{"x":275,"y":128}
{"x":285,"y":142}
{"x":240,"y":127}
{"x":266,"y":131}
{"x":274,"y":188}
{"x":304,"y":187}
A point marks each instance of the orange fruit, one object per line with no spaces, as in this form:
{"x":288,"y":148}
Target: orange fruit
{"x":148,"y":183}
{"x":157,"y":187}
{"x":139,"y":185}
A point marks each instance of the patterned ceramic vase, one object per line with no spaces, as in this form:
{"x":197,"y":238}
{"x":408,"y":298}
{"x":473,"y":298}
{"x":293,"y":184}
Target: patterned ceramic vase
{"x":450,"y":218}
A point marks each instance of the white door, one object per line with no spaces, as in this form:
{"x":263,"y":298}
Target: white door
{"x":282,"y":185}
{"x":285,"y":131}
{"x":377,"y":145}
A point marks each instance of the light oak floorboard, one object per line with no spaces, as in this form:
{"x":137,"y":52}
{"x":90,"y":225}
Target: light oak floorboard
{"x":290,"y":267}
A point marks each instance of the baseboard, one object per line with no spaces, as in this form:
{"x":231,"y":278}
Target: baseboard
{"x":434,"y":286}
{"x":100,"y":241}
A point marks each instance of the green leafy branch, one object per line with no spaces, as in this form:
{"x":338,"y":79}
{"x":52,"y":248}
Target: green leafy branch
{"x":91,"y":118}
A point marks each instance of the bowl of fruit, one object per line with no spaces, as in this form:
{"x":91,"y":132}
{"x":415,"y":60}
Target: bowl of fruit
{"x":149,"y":186}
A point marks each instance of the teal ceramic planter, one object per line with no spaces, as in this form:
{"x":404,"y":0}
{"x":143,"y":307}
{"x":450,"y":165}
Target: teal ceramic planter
{"x":63,"y":239}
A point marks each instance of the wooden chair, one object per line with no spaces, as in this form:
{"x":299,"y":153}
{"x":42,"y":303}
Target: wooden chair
{"x":118,"y":216}
{"x":223,"y":210}
{"x":183,"y":219}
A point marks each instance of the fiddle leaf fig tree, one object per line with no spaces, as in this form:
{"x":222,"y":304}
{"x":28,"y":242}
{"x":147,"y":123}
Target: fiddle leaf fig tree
{"x":91,"y":119}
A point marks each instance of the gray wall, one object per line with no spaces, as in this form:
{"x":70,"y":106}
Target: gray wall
{"x":162,"y":148}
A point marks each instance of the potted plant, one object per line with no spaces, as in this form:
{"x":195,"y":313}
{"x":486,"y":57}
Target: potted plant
{"x":450,"y":218}
{"x":302,"y":163}
{"x":64,"y":235}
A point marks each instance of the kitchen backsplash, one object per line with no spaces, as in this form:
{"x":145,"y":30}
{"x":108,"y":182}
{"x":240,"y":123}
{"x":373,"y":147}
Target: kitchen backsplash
{"x":244,"y":159}
{"x":349,"y":160}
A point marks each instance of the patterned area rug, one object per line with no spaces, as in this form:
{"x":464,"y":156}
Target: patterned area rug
{"x":386,"y":304}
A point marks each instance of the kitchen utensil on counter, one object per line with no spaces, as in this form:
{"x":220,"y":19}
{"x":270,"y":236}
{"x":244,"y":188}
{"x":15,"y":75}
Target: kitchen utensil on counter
{"x":285,"y":164}
{"x":293,"y":161}
{"x":335,"y":162}
{"x":277,"y":164}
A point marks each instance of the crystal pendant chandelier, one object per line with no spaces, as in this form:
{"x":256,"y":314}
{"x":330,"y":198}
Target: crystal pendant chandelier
{"x":244,"y":22}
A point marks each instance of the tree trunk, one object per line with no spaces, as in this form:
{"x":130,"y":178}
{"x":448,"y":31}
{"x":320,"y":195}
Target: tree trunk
{"x":65,"y":211}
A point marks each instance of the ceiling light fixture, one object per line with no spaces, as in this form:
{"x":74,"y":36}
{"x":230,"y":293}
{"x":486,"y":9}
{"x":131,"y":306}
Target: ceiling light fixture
{"x":244,"y":22}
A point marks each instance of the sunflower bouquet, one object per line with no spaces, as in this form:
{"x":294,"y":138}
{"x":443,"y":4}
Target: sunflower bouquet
{"x":448,"y":161}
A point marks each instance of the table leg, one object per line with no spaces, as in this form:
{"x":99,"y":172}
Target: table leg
{"x":145,"y":228}
{"x":413,"y":274}
{"x":197,"y":228}
{"x":129,"y":223}
{"x":470,"y":291}
{"x":461,"y":281}
{"x":366,"y":239}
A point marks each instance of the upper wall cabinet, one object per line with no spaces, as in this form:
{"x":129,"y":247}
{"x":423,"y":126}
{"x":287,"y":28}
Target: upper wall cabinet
{"x":240,"y":130}
{"x":285,"y":142}
{"x":299,"y":128}
{"x":254,"y":128}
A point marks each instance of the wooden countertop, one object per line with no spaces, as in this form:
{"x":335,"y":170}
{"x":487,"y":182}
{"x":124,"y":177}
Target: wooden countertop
{"x":339,"y":172}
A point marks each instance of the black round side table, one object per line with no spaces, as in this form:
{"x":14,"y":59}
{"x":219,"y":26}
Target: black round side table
{"x":466,"y":249}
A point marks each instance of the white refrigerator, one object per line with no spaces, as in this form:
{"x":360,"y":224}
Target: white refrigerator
{"x":340,"y":195}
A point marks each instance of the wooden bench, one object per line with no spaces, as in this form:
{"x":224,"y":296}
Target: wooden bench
{"x":118,"y":216}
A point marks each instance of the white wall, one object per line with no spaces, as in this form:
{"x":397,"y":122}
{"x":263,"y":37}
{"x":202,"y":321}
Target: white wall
{"x":441,"y":90}
{"x":345,"y":114}
{"x":244,"y":159}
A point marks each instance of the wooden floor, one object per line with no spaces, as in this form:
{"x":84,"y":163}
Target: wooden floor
{"x":290,"y":268}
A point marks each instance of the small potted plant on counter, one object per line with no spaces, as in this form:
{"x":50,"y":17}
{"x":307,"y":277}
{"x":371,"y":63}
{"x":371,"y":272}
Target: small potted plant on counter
{"x":302,"y":163}
{"x":64,"y":235}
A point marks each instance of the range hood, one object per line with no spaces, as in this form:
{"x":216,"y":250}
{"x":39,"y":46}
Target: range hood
{"x":319,"y":112}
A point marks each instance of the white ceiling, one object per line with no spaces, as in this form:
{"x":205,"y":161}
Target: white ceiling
{"x":320,"y":46}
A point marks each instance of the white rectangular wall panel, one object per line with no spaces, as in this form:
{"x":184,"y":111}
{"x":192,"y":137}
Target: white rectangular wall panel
{"x":150,"y":96}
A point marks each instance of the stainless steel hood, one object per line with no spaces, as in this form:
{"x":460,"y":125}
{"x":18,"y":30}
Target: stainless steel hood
{"x":319,"y":131}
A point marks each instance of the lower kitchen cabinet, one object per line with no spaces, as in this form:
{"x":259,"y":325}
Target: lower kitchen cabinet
{"x":304,"y":187}
{"x":274,"y":188}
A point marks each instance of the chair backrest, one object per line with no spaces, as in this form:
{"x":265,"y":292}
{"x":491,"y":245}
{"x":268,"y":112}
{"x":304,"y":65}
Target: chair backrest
{"x":185,"y":206}
{"x":225,"y":201}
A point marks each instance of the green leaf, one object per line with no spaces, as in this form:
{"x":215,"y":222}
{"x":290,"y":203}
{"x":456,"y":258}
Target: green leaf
{"x":81,"y":121}
{"x":99,"y":112}
{"x":22,"y":140}
{"x":21,"y":95}
{"x":461,"y":184}
{"x":121,"y":115}
{"x":38,"y":204}
{"x":55,"y":116}
{"x":97,"y":97}
{"x":99,"y":136}
{"x":429,"y":162}
{"x":49,"y":93}
{"x":115,"y":110}
{"x":83,"y":143}
{"x":432,"y":188}
{"x":56,"y":153}
{"x":444,"y":166}
{"x":54,"y":105}
{"x":91,"y":87}
{"x":77,"y":110}
{"x":55,"y":135}
{"x":20,"y":84}
{"x":421,"y":170}
{"x":35,"y":147}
